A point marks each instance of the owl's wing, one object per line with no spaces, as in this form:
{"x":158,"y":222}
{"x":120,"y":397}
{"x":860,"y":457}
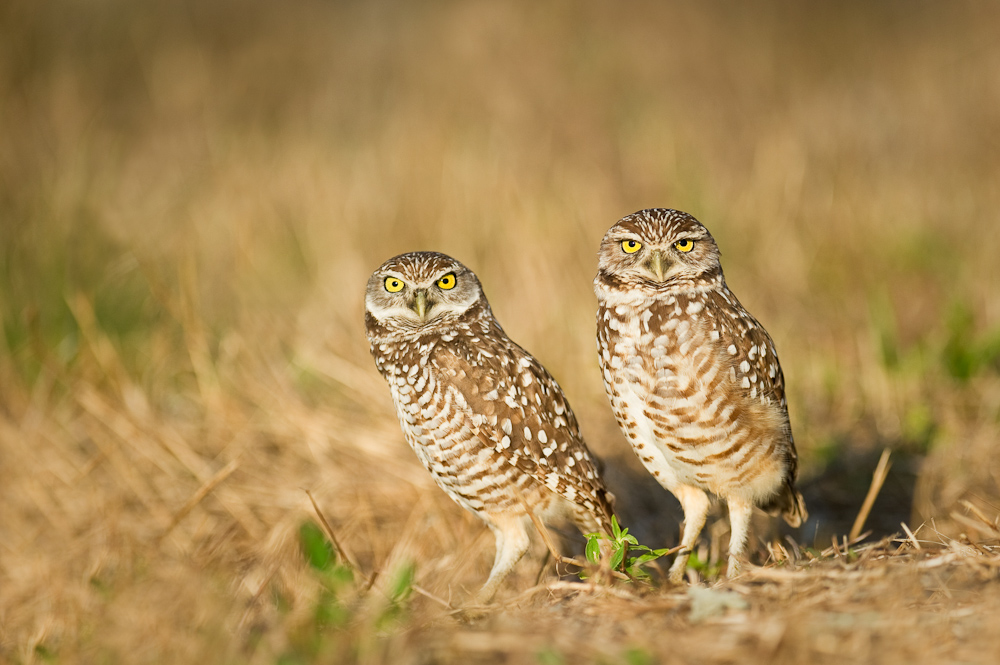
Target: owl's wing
{"x":755,"y":360}
{"x":757,"y":370}
{"x":519,"y":410}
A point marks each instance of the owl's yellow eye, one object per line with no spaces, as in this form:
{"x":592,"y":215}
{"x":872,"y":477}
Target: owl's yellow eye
{"x":448,"y":281}
{"x":631,"y":246}
{"x":685,"y":245}
{"x":393,"y":284}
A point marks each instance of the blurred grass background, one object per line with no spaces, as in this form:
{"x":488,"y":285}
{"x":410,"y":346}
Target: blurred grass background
{"x":192,"y":196}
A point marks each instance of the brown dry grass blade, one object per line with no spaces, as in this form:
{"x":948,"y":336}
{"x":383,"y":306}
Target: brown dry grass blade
{"x":878,"y":478}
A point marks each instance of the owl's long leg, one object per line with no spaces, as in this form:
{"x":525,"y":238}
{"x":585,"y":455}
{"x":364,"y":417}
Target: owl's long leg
{"x":511,"y":536}
{"x":695,"y":504}
{"x":740,"y":513}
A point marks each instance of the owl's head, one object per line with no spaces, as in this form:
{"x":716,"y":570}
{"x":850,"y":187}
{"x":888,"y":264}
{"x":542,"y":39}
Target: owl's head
{"x":658,"y":250}
{"x":420,"y":291}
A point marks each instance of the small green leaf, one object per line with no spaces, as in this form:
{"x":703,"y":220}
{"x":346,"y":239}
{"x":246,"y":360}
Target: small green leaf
{"x":631,"y":540}
{"x":616,"y":558}
{"x":638,"y":573}
{"x":593,"y":550}
{"x":315,"y":547}
{"x":402,"y":582}
{"x":640,"y":560}
{"x":615,"y":528}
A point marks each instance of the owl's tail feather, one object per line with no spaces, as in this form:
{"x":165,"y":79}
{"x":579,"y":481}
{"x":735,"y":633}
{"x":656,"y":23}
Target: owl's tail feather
{"x":789,"y":504}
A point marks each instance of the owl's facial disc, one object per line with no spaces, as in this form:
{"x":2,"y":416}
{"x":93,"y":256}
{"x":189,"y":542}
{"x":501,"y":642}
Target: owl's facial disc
{"x":413,"y":298}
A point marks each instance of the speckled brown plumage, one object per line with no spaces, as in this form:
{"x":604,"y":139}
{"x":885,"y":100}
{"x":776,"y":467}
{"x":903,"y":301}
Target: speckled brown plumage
{"x":693,"y":378}
{"x":486,"y":419}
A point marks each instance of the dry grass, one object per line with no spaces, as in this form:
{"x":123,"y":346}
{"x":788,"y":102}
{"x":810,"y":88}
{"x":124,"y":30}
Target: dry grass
{"x":192,"y":197}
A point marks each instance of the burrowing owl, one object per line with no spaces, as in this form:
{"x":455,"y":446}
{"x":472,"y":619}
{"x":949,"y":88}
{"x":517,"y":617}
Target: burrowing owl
{"x":486,"y":419}
{"x":693,"y":378}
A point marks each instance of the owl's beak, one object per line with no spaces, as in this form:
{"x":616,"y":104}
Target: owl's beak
{"x":420,"y":303}
{"x":657,"y":264}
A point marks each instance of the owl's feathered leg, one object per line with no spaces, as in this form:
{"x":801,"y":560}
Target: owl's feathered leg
{"x":740,"y":513}
{"x":695,"y":504}
{"x":511,"y":535}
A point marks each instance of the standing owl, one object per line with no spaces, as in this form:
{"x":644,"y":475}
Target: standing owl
{"x":486,"y":419}
{"x":693,"y":378}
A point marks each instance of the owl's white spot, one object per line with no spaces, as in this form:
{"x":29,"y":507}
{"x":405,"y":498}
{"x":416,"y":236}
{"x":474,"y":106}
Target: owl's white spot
{"x":645,"y":317}
{"x":714,"y":335}
{"x":772,"y":370}
{"x":505,"y":426}
{"x":525,"y":362}
{"x":509,"y":401}
{"x":559,"y":408}
{"x":505,"y":443}
{"x":546,"y":451}
{"x":694,"y":307}
{"x":491,"y":395}
{"x":732,"y":349}
{"x":746,"y":382}
{"x":542,"y":436}
{"x":752,"y":352}
{"x":744,"y":367}
{"x":578,"y":454}
{"x":753,"y":391}
{"x":570,"y":462}
{"x":524,"y":400}
{"x":527,"y":433}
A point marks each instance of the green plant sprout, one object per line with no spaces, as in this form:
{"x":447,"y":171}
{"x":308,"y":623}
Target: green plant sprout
{"x":623,"y":544}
